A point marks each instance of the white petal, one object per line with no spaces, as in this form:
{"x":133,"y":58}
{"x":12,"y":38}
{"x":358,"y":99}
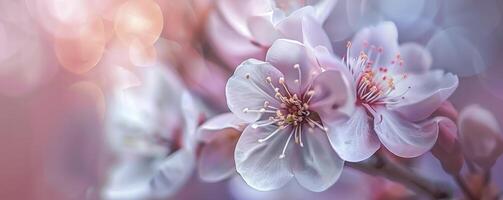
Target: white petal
{"x":313,"y":34}
{"x":404,"y":138}
{"x":211,"y":128}
{"x":263,"y":30}
{"x":248,"y":88}
{"x":291,"y":26}
{"x":284,"y":55}
{"x":354,"y":140}
{"x":333,"y":96}
{"x":258,"y":162}
{"x":427,"y":92}
{"x":384,"y":35}
{"x":216,"y":160}
{"x":416,"y":58}
{"x":316,"y":166}
{"x":147,"y":178}
{"x":173,"y":173}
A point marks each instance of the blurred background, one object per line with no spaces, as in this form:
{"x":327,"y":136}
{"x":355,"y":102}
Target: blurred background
{"x":61,"y":60}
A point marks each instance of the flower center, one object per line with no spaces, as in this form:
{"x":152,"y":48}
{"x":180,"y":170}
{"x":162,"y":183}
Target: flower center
{"x":292,"y":112}
{"x":375,"y":84}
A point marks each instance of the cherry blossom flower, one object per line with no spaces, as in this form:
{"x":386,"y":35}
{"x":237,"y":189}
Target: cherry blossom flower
{"x":237,"y":34}
{"x":480,"y":136}
{"x":151,"y":128}
{"x":284,"y":100}
{"x":393,"y":102}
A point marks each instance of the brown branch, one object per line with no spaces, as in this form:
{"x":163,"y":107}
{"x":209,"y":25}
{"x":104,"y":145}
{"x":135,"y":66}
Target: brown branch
{"x":380,"y":165}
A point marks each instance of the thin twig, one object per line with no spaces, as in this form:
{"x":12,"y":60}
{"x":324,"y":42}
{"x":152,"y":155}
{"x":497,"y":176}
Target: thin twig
{"x":462,"y":185}
{"x":380,"y":165}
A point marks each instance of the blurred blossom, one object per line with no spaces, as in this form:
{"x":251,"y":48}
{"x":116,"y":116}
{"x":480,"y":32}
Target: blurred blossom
{"x":396,"y":99}
{"x":448,"y":147}
{"x":480,"y":136}
{"x":238,"y":34}
{"x":219,"y":136}
{"x":151,"y":128}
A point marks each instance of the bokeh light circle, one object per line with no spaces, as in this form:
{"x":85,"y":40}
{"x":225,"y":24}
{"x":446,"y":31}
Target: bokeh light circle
{"x":80,"y":53}
{"x":139,"y":20}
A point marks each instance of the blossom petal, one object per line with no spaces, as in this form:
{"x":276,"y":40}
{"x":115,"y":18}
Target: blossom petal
{"x":212,"y":128}
{"x":354,"y":140}
{"x":333,"y":96}
{"x":384,"y":35}
{"x":144,"y":178}
{"x":480,"y":135}
{"x":248,"y":88}
{"x":173,"y":173}
{"x":427,"y":92}
{"x":313,"y":34}
{"x":291,"y":26}
{"x":316,"y":166}
{"x":404,"y":138}
{"x":216,"y":160}
{"x":448,"y":148}
{"x":323,"y":9}
{"x":416,"y":58}
{"x":285,"y":55}
{"x":258,"y":162}
{"x":262,"y":30}
{"x":229,"y":44}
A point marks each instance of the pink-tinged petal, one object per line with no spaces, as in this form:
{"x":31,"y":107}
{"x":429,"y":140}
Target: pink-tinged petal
{"x":323,"y":9}
{"x":354,"y":140}
{"x":480,"y":135}
{"x":262,"y":30}
{"x":173,"y":173}
{"x":229,"y":44}
{"x":291,"y":26}
{"x":313,"y":34}
{"x":404,"y":138}
{"x":447,"y":149}
{"x":216,"y":160}
{"x":248,"y":89}
{"x":236,"y":13}
{"x":427,"y":92}
{"x":333,"y":97}
{"x":416,"y":58}
{"x":144,"y":178}
{"x":220,"y":123}
{"x":316,"y":166}
{"x":328,"y":61}
{"x":448,"y":110}
{"x":285,"y":55}
{"x":258,"y":162}
{"x":384,"y":35}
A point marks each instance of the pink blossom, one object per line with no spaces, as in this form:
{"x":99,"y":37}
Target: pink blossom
{"x":393,"y":102}
{"x":285,"y":99}
{"x":237,"y":34}
{"x":480,"y":136}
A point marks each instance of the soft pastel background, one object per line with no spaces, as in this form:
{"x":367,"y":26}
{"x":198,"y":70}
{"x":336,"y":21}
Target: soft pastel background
{"x":61,"y":59}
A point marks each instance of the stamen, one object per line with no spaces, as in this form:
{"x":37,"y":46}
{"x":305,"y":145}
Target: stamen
{"x":271,"y":135}
{"x":317,"y":124}
{"x":297,"y":66}
{"x":286,"y":145}
{"x":300,"y":135}
{"x":262,"y":110}
{"x":282,"y":82}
